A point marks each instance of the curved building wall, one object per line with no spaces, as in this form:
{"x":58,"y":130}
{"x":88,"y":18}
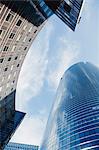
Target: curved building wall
{"x":16,"y":36}
{"x":73,"y":123}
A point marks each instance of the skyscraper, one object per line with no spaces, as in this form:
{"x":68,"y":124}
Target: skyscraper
{"x":73,"y":123}
{"x":19,"y":146}
{"x":20,"y":22}
{"x":67,"y":10}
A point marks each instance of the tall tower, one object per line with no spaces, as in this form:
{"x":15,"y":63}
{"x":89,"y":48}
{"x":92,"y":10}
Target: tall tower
{"x":73,"y":123}
{"x":67,"y":10}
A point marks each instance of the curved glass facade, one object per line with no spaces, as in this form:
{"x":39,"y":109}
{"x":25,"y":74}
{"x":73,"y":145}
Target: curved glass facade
{"x":73,"y":123}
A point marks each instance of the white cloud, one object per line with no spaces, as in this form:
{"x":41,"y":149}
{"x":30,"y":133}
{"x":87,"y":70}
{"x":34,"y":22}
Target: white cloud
{"x":67,"y":54}
{"x":88,"y":5}
{"x":33,"y":71}
{"x":30,"y":83}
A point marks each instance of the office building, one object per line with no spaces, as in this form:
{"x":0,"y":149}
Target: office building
{"x":20,"y":22}
{"x":19,"y":146}
{"x":73,"y":122}
{"x":67,"y":10}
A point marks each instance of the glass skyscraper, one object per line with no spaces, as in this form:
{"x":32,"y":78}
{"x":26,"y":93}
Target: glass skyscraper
{"x":19,"y":146}
{"x":67,"y":10}
{"x":73,"y":123}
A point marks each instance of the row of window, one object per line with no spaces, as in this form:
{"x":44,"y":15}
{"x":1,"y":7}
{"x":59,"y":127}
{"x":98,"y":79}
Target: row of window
{"x":2,"y":32}
{"x":13,"y":48}
{"x":13,"y":34}
{"x":19,"y":22}
{"x":10,"y":17}
{"x":9,"y":59}
{"x":78,"y":108}
{"x":9,"y":77}
{"x":11,"y":67}
{"x":8,"y":85}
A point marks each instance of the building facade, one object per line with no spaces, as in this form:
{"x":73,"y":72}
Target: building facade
{"x":20,"y":22}
{"x":73,"y":123}
{"x":19,"y":146}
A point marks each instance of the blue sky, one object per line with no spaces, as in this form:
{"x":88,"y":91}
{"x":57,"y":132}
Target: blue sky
{"x":54,"y":50}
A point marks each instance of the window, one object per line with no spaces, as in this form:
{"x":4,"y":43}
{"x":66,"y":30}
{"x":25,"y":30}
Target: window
{"x":9,"y":17}
{"x":95,"y":107}
{"x":67,"y":8}
{"x":14,"y":74}
{"x":1,"y":7}
{"x":20,"y":57}
{"x":13,"y":81}
{"x":8,"y":85}
{"x":0,"y":88}
{"x":2,"y":32}
{"x":25,"y":48}
{"x":12,"y":89}
{"x":5,"y":69}
{"x":9,"y":76}
{"x":11,"y":67}
{"x":2,"y":79}
{"x":18,"y":38}
{"x":1,"y":60}
{"x":12,"y":35}
{"x":5,"y":48}
{"x":30,"y":40}
{"x":9,"y":59}
{"x":19,"y":22}
{"x":24,"y":39}
{"x":30,"y":29}
{"x":35,"y":31}
{"x":18,"y":65}
{"x":24,"y":27}
{"x":13,"y":48}
{"x":16,"y":57}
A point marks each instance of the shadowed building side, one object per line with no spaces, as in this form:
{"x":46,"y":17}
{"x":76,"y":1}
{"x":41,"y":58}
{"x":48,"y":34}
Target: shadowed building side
{"x":73,"y":123}
{"x":67,"y":10}
{"x":9,"y":117}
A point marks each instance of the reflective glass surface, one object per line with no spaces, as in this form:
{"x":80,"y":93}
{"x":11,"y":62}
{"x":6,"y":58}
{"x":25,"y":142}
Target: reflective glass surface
{"x":73,"y":123}
{"x":67,"y":10}
{"x":9,"y":128}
